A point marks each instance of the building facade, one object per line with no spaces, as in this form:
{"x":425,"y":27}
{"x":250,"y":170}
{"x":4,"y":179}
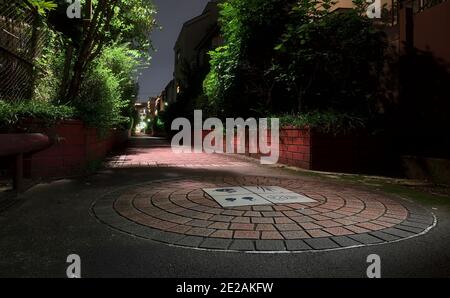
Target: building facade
{"x":197,"y":37}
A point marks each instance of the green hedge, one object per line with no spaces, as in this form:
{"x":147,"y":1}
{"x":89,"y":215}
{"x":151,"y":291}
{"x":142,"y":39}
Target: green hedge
{"x":11,"y":113}
{"x":330,"y":122}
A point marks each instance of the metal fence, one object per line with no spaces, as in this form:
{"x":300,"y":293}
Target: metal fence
{"x":20,"y":43}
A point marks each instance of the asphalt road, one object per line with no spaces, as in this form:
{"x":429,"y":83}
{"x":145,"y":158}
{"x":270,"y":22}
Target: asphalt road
{"x":53,"y":220}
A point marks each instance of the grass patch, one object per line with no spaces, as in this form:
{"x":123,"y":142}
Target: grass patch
{"x":387,"y":185}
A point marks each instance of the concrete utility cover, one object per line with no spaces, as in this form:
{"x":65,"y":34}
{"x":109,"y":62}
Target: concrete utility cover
{"x":240,"y":200}
{"x":255,"y":195}
{"x":287,"y":198}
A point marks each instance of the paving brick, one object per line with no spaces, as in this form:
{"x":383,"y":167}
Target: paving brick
{"x":167,"y":237}
{"x":409,"y":229}
{"x":382,"y":223}
{"x":215,"y":243}
{"x":291,"y":213}
{"x":319,"y":217}
{"x":397,"y":232}
{"x":145,"y":232}
{"x":253,"y":213}
{"x":204,"y":232}
{"x":222,"y":218}
{"x":232,"y":213}
{"x":295,"y":235}
{"x":192,"y":241}
{"x":365,"y":238}
{"x":242,"y":226}
{"x":370,"y":226}
{"x":270,"y":245}
{"x":300,"y":219}
{"x":338,"y":231}
{"x":272,"y":213}
{"x":345,"y":241}
{"x":242,"y":245}
{"x":281,"y":208}
{"x":262,"y":208}
{"x":262,"y":220}
{"x":384,"y":236}
{"x":415,"y":224}
{"x":283,"y":220}
{"x":422,"y":219}
{"x":356,"y":229}
{"x":265,"y":227}
{"x":309,"y":225}
{"x":321,"y":243}
{"x":287,"y":227}
{"x":318,"y":233}
{"x":199,"y":223}
{"x":395,"y":216}
{"x":328,"y":223}
{"x":271,"y":235}
{"x":296,"y":245}
{"x":344,"y":221}
{"x":222,"y":234}
{"x":307,"y":212}
{"x":179,"y":229}
{"x":246,"y":234}
{"x":219,"y":225}
{"x":241,"y":219}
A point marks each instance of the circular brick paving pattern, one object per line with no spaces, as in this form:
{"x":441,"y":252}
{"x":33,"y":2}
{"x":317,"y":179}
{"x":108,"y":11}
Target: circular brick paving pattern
{"x":178,"y":212}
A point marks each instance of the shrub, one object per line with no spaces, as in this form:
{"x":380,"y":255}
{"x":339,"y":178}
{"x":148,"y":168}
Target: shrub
{"x":99,"y":104}
{"x":110,"y":89}
{"x":50,"y":66}
{"x":276,"y":58}
{"x":329,"y":122}
{"x":12,"y":113}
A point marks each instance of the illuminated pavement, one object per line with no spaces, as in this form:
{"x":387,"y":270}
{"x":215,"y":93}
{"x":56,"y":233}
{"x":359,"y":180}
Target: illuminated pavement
{"x":131,"y":220}
{"x":178,"y":211}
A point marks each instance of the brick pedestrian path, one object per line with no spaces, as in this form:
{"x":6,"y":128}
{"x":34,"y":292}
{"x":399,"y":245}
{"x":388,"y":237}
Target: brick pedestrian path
{"x":178,"y":212}
{"x":159,"y":155}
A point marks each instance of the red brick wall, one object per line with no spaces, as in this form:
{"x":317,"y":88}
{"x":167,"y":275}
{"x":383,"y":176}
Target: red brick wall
{"x":314,"y":151}
{"x":295,"y":147}
{"x":76,"y":147}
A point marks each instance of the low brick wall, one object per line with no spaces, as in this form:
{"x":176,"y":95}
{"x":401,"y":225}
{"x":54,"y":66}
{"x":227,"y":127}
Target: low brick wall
{"x":76,"y":149}
{"x":304,"y":148}
{"x":295,"y":147}
{"x":294,"y":144}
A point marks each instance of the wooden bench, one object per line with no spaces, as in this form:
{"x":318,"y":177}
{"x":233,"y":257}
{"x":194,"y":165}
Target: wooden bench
{"x":16,"y":145}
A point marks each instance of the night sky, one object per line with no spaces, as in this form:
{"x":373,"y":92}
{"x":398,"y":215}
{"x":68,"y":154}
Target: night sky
{"x":171,"y":16}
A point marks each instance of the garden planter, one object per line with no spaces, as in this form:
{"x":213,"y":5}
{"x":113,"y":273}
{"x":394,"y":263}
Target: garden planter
{"x":76,"y":148}
{"x":308,"y":149}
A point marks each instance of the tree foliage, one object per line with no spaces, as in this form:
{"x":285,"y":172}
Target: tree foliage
{"x":98,"y":73}
{"x":238,"y":69}
{"x":110,"y":89}
{"x":330,"y":60}
{"x":112,"y":21}
{"x":283,"y":56}
{"x":43,"y":6}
